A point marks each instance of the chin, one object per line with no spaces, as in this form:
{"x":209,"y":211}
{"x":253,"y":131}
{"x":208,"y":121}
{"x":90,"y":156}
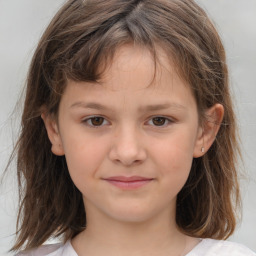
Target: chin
{"x":132,"y":215}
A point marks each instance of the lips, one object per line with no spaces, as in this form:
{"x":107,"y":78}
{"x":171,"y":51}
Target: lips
{"x":128,"y":183}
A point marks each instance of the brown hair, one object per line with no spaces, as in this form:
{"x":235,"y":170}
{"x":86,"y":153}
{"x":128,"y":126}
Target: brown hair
{"x":85,"y":34}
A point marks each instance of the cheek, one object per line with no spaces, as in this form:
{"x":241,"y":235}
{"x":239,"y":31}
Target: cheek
{"x":174,"y":156}
{"x":84,"y":156}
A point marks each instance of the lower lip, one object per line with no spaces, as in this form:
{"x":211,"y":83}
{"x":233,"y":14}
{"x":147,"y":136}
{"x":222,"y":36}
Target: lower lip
{"x":129,"y":185}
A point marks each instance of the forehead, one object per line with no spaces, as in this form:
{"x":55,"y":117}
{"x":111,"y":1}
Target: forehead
{"x":151,"y":70}
{"x":133,"y":80}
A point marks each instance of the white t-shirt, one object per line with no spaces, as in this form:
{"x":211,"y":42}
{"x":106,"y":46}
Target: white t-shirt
{"x":207,"y":247}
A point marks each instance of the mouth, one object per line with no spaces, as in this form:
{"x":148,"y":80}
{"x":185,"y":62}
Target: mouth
{"x":128,"y":183}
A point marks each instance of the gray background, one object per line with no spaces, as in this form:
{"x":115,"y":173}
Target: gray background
{"x":23,"y":21}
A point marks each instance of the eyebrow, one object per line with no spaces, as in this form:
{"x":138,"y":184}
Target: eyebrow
{"x":97,"y":106}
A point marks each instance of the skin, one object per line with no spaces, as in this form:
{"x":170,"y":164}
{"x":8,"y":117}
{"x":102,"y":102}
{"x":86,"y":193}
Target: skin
{"x":129,"y":140}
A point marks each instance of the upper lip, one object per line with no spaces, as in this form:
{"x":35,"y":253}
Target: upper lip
{"x":127,"y":179}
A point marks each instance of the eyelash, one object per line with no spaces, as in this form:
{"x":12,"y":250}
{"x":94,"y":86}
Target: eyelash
{"x":85,"y":121}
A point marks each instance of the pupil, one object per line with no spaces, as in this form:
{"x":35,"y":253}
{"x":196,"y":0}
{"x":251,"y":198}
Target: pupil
{"x":159,"y":121}
{"x":97,"y":121}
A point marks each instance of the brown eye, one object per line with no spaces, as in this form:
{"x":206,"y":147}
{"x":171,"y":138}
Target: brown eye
{"x":159,"y":121}
{"x":97,"y":121}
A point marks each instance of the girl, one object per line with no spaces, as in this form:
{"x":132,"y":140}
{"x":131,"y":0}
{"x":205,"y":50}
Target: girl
{"x":128,"y":142}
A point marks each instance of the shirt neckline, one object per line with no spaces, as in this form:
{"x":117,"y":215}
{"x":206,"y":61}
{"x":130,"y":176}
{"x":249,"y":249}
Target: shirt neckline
{"x":70,"y":247}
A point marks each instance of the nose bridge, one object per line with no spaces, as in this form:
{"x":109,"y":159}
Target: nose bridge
{"x":127,"y":145}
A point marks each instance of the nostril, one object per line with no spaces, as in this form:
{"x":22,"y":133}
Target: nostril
{"x":127,"y":147}
{"x":127,"y":157}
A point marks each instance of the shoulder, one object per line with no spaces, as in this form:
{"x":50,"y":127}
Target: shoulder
{"x":211,"y":247}
{"x":50,"y":250}
{"x":41,"y":251}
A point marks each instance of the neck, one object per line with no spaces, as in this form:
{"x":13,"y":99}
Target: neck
{"x":159,"y":236}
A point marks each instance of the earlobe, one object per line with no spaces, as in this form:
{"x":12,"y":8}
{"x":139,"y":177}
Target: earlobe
{"x":208,"y":132}
{"x":53,"y":134}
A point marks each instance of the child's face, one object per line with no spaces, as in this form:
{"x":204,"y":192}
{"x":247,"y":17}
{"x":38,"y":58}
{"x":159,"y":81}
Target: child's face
{"x":150,"y":132}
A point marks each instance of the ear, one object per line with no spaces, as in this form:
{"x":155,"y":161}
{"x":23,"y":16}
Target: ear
{"x":209,"y":129}
{"x":53,"y":134}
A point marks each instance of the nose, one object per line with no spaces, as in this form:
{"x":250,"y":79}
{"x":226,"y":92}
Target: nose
{"x":127,"y":147}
